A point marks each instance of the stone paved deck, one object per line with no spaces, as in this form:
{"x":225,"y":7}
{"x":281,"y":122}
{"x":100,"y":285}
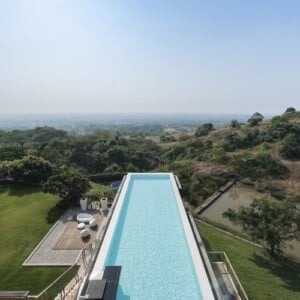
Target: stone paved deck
{"x":45,"y":255}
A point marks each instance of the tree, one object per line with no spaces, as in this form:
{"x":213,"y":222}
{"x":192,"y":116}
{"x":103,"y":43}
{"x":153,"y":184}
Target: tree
{"x":204,"y":129}
{"x":44,"y":134}
{"x":167,"y":138}
{"x":271,"y":223}
{"x":259,"y":165}
{"x":235,"y":124}
{"x":290,"y":109}
{"x":32,"y":169}
{"x":255,"y":119}
{"x":290,"y":146}
{"x":69,"y":184}
{"x":11,"y":151}
{"x":98,"y":191}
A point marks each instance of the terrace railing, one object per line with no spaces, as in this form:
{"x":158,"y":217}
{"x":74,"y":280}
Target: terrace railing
{"x":63,"y":284}
{"x":219,"y":256}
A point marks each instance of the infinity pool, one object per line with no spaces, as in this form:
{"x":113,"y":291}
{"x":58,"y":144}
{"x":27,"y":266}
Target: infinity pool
{"x":150,"y":237}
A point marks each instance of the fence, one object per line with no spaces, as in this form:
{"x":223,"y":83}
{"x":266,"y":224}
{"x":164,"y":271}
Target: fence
{"x":58,"y":286}
{"x":219,"y":256}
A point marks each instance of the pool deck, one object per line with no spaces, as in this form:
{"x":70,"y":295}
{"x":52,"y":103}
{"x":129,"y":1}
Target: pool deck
{"x":55,"y":249}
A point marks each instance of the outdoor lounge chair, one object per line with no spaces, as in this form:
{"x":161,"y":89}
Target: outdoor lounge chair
{"x":93,"y":223}
{"x":84,"y":233}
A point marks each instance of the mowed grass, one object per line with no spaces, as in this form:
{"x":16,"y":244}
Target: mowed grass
{"x":261,"y":276}
{"x":26,"y":215}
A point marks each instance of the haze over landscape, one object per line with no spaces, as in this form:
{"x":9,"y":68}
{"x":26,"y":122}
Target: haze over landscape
{"x":149,"y":149}
{"x":150,"y":57}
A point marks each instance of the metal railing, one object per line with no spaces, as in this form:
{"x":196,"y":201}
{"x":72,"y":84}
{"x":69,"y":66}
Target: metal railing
{"x":58,"y":287}
{"x":220,"y":256}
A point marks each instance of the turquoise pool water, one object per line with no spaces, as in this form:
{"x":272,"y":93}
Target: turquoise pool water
{"x":149,"y":242}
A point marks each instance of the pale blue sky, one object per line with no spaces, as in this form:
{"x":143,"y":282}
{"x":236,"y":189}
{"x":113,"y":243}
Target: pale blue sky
{"x":232,"y":56}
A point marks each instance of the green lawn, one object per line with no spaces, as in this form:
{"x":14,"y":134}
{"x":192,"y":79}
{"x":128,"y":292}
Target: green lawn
{"x":261,"y":276}
{"x":26,"y":215}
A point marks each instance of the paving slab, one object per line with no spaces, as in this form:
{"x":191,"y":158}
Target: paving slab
{"x":45,"y":253}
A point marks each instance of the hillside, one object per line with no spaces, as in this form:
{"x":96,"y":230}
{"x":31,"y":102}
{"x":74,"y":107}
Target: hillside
{"x":265,"y":156}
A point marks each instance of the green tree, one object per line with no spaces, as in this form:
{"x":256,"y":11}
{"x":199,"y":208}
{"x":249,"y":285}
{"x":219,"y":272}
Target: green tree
{"x":232,"y":141}
{"x":290,"y":109}
{"x":235,"y":124}
{"x":44,"y":134}
{"x":290,"y":146}
{"x":97,"y":191}
{"x":11,"y":152}
{"x":259,"y":165}
{"x":31,"y":169}
{"x":113,"y":168}
{"x":270,"y":223}
{"x":167,"y":138}
{"x":204,"y":129}
{"x":255,"y":119}
{"x":69,"y":184}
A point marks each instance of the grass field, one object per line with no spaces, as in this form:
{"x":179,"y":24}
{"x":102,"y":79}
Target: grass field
{"x":261,"y":276}
{"x":26,"y":214}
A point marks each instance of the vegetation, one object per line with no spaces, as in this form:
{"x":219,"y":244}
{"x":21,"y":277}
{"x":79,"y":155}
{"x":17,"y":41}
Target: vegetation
{"x":255,"y":119}
{"x":290,"y":109}
{"x":255,"y":150}
{"x":271,"y":223}
{"x":97,"y":191}
{"x":235,"y":124}
{"x":69,"y":184}
{"x":259,"y":165}
{"x":204,"y":185}
{"x":20,"y":232}
{"x":263,"y":277}
{"x":290,"y":146}
{"x":204,"y":129}
{"x":30,"y":169}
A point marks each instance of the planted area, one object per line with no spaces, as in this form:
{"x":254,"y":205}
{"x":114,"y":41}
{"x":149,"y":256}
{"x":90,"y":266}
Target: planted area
{"x":26,"y":215}
{"x":262,"y":277}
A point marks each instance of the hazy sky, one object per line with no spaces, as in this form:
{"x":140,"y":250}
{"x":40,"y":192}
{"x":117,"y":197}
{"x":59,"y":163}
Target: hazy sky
{"x":226,"y":56}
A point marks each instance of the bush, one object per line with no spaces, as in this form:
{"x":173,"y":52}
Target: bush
{"x":259,"y":165}
{"x":204,"y":185}
{"x":255,"y":119}
{"x":204,"y":129}
{"x":167,"y":138}
{"x":290,"y":146}
{"x":290,"y":109}
{"x":106,"y":177}
{"x":31,"y":169}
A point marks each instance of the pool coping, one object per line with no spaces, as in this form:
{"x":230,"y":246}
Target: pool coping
{"x":202,"y":277}
{"x":204,"y":284}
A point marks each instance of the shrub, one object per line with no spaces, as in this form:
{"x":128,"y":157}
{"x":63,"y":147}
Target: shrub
{"x":290,"y":146}
{"x":259,"y":165}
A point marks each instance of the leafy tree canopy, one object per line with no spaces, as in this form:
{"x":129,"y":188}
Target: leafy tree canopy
{"x":290,"y":109}
{"x":255,"y":119}
{"x":204,"y":129}
{"x":30,"y":169}
{"x":290,"y":146}
{"x":270,"y":223}
{"x":235,"y":124}
{"x":11,"y":152}
{"x":259,"y":165}
{"x":97,"y":191}
{"x":69,"y":184}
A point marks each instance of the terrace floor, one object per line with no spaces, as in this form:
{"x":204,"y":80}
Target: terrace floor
{"x":61,"y":246}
